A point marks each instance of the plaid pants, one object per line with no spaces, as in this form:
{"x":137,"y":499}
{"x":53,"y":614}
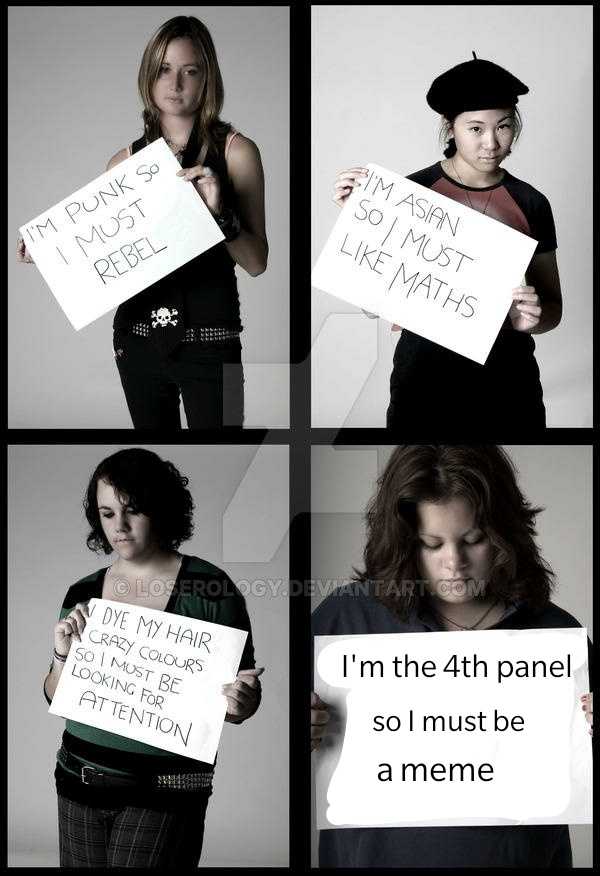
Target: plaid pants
{"x":129,"y":836}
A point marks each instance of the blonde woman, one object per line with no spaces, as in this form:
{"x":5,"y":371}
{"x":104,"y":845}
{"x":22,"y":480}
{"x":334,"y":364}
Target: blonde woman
{"x":193,"y":354}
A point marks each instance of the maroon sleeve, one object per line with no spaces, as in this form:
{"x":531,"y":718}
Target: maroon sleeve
{"x":537,"y":210}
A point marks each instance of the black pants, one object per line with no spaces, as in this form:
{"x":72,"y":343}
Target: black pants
{"x":543,"y":846}
{"x":209,"y":378}
{"x":129,"y":836}
{"x":432,"y":387}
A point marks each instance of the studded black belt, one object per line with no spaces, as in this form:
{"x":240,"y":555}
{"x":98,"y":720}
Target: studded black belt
{"x":88,"y":775}
{"x":204,"y":334}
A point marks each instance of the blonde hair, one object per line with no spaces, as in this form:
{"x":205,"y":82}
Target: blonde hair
{"x":209,"y":131}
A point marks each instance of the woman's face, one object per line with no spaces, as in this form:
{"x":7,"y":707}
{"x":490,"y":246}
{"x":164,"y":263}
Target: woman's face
{"x":484,"y":137}
{"x":454,"y":554}
{"x":128,"y":532}
{"x":178,"y":88}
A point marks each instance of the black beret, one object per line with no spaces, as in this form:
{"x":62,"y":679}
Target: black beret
{"x":473,"y":85}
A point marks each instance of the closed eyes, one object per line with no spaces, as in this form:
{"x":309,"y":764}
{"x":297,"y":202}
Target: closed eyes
{"x":435,"y":547}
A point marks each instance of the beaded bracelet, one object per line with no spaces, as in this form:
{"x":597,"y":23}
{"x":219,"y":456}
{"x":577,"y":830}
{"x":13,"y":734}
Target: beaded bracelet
{"x":229,"y":223}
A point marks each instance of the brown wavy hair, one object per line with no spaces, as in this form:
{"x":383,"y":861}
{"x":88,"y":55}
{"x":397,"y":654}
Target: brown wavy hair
{"x":483,"y":475}
{"x":210,"y":131}
{"x":151,"y":485}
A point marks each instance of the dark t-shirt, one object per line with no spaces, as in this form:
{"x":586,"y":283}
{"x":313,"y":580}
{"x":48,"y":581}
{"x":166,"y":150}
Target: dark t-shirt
{"x":431,"y":384}
{"x":201,"y":591}
{"x":511,"y":201}
{"x":354,"y":609}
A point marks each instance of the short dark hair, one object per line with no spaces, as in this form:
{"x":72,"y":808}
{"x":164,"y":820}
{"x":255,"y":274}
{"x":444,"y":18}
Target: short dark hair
{"x":153,"y":486}
{"x":485,"y":476}
{"x":449,"y":142}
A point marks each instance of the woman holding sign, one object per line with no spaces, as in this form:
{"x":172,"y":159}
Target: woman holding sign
{"x":430,"y":384}
{"x":450,"y":547}
{"x":123,"y":803}
{"x":180,"y":337}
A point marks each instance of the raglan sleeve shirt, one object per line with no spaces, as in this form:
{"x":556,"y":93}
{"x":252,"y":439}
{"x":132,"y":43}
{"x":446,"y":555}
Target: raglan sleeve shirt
{"x":512,"y":201}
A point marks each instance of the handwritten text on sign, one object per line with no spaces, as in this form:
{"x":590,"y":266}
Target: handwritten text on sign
{"x":425,"y":262}
{"x":152,"y":676}
{"x":456,"y":728}
{"x":119,"y":234}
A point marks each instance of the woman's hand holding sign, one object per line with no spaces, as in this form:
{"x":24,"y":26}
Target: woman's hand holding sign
{"x":587,"y":706}
{"x":207,"y":184}
{"x":319,"y":716}
{"x":346,"y":181}
{"x":23,"y":253}
{"x":69,"y":628}
{"x":243,"y":695}
{"x":525,"y":311}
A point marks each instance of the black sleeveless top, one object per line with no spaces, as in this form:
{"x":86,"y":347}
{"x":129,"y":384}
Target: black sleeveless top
{"x":203,"y":291}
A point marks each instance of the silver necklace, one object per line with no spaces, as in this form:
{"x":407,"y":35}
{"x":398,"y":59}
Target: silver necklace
{"x":487,"y":203}
{"x":173,"y":145}
{"x":460,"y":626}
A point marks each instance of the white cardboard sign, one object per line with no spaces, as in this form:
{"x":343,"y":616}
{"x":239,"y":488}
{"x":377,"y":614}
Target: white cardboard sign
{"x":425,"y":262}
{"x":119,"y":234}
{"x":151,"y":675}
{"x":454,"y":729}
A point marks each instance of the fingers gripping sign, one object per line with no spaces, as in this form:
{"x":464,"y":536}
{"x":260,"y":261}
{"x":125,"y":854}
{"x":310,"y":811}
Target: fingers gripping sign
{"x":243,"y":695}
{"x":207,"y":184}
{"x":23,"y":254}
{"x":587,"y":706}
{"x":525,"y":310}
{"x":346,"y":181}
{"x":319,"y":717}
{"x":70,"y":627}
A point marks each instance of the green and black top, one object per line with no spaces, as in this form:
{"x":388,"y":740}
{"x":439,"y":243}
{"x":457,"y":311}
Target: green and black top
{"x":202,"y":591}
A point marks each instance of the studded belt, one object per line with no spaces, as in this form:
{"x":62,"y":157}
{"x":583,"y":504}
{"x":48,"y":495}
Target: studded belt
{"x":185,"y":781}
{"x":205,"y":334}
{"x":89,"y":775}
